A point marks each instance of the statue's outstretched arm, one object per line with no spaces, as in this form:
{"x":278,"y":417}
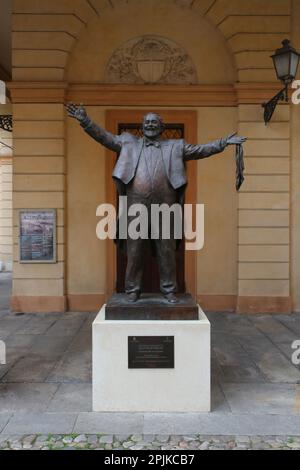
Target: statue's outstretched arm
{"x":195,"y":152}
{"x":110,"y":141}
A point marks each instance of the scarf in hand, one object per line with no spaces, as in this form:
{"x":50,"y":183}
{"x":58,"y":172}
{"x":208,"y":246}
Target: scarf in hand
{"x":240,"y":166}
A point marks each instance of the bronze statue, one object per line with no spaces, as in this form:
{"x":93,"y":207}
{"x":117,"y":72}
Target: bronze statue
{"x":150,"y":170}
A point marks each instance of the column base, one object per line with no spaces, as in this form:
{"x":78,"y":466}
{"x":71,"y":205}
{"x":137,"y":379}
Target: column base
{"x":38,"y":304}
{"x":256,"y":304}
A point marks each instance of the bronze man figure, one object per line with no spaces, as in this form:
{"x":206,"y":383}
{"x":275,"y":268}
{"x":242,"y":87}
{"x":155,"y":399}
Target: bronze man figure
{"x":150,"y":170}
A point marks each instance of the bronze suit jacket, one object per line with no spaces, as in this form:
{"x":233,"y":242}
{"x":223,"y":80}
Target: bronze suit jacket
{"x":128,"y":147}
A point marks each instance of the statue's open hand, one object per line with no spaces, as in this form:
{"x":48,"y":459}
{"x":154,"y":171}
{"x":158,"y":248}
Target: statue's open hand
{"x":234,"y":139}
{"x":76,"y":112}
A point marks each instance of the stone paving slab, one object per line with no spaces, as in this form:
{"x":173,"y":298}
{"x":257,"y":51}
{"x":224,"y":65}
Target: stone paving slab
{"x":12,"y":323}
{"x":50,"y":346}
{"x":71,"y":398}
{"x":269,"y":324}
{"x":66,"y":326}
{"x":16,"y":397}
{"x":230,"y":322}
{"x":263,"y":398}
{"x":38,"y":326}
{"x":229,"y":352}
{"x":218,"y":399}
{"x":241,"y":374}
{"x":87,"y":325}
{"x":16,"y":342}
{"x":270,"y":361}
{"x":11,"y":359}
{"x":74,"y":367}
{"x":82,"y":341}
{"x":30,"y":369}
{"x":109,"y":423}
{"x":292,"y":324}
{"x":41,"y":423}
{"x":287,"y":350}
{"x":222,"y":424}
{"x":171,"y":423}
{"x":277,"y":333}
{"x":4,"y":418}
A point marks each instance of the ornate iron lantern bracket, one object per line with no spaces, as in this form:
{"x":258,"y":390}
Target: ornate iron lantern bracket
{"x":6,"y":122}
{"x":270,"y":106}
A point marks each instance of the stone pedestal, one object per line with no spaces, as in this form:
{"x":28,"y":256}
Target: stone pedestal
{"x":184,"y":388}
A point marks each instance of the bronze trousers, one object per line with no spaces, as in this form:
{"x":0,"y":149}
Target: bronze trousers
{"x":165,"y":251}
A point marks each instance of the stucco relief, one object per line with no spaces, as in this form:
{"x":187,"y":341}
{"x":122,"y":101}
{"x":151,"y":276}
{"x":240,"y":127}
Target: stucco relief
{"x":152,"y":60}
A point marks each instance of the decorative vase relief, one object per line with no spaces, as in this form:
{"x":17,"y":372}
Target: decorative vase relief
{"x":151,"y":60}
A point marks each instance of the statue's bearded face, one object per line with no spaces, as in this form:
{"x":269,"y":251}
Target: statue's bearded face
{"x":152,"y":126}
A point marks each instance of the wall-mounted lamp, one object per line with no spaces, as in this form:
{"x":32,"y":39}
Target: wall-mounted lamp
{"x":286,"y":60}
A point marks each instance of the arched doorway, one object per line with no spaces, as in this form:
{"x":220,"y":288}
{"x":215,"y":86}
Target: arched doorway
{"x":177,"y":121}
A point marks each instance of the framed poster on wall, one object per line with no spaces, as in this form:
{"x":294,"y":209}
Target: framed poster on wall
{"x":37,"y":236}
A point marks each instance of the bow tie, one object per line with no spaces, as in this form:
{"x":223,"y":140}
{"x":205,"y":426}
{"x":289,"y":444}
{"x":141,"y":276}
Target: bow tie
{"x":155,"y":143}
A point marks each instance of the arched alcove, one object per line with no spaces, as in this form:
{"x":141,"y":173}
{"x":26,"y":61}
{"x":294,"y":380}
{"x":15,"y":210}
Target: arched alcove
{"x":88,"y":180}
{"x":205,"y":44}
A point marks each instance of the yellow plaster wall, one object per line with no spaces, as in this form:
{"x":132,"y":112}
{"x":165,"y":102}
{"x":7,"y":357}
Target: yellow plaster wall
{"x":264,"y":207}
{"x":86,"y":190}
{"x":295,"y":179}
{"x":217,"y":262}
{"x":39,"y":183}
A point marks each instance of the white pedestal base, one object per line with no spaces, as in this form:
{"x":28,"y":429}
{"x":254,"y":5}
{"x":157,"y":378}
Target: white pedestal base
{"x":186,"y":388}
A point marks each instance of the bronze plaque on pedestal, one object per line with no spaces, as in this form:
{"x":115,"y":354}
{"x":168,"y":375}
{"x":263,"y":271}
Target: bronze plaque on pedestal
{"x":151,"y":352}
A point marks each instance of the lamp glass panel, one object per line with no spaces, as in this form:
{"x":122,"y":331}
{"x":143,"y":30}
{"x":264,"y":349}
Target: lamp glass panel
{"x":294,"y":64}
{"x":282,"y":65}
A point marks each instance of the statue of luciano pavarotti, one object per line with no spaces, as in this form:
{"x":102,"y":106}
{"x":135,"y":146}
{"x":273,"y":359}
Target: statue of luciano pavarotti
{"x":148,"y":171}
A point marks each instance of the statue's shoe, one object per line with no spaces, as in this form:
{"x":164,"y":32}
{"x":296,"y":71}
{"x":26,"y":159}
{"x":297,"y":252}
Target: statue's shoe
{"x":171,"y":298}
{"x":132,"y":297}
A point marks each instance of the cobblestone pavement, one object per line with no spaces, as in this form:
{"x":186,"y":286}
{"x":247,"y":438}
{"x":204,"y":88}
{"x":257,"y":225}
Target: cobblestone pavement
{"x":146,"y":442}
